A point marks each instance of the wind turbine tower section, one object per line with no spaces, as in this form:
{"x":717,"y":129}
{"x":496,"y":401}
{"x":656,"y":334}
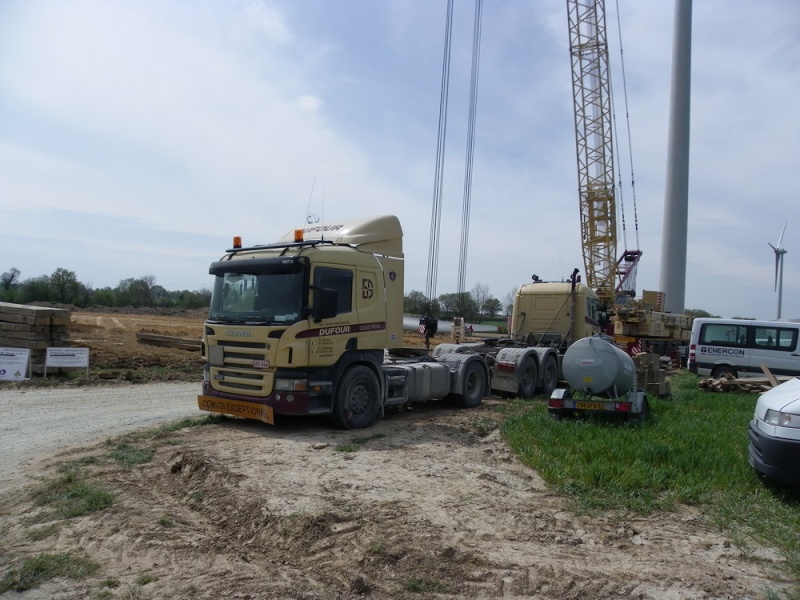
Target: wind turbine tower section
{"x":676,"y":197}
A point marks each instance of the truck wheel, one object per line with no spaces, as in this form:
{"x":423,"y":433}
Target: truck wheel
{"x":549,"y":375}
{"x":475,"y":385}
{"x":723,"y":372}
{"x":357,"y":399}
{"x":528,"y":376}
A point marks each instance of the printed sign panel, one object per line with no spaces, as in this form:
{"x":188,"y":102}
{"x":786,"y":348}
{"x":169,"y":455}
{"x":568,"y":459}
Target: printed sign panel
{"x":14,"y":363}
{"x":67,"y":357}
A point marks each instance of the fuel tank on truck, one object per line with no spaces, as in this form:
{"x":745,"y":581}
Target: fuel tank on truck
{"x":596,"y":366}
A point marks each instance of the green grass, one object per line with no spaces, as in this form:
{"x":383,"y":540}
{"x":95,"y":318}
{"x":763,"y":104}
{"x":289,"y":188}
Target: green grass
{"x":130,"y":455}
{"x":692,"y":451}
{"x":43,"y":567}
{"x":70,"y":496}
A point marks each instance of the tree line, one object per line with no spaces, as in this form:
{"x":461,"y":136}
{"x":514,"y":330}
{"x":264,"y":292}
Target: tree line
{"x":474,"y":306}
{"x":63,"y":287}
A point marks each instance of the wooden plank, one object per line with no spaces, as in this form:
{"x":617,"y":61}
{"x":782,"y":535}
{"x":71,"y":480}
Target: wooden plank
{"x":168,"y":341}
{"x":768,"y":373}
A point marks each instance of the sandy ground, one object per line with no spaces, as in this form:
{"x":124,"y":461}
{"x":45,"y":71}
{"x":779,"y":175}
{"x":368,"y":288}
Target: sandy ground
{"x":429,"y":503}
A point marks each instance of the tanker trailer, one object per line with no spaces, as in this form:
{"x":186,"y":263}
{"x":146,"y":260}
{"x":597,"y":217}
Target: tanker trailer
{"x":601,"y":380}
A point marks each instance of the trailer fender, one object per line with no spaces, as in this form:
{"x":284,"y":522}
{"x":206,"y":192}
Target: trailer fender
{"x":469,"y":378}
{"x":522,"y":371}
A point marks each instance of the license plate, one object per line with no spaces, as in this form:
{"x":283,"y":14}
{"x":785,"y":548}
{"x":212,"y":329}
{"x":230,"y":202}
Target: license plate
{"x":236,"y":408}
{"x":590,"y":405}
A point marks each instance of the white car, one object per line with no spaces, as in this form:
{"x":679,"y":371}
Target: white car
{"x":775,"y":433}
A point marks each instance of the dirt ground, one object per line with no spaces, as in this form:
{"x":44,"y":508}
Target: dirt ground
{"x":429,"y":503}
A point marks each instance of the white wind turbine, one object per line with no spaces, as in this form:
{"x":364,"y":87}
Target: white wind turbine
{"x":779,"y":252}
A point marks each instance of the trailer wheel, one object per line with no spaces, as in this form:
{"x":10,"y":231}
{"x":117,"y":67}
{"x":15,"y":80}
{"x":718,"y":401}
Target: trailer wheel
{"x":357,"y":399}
{"x":641,"y":416}
{"x":549,"y":375}
{"x":475,"y":386}
{"x":528,"y":377}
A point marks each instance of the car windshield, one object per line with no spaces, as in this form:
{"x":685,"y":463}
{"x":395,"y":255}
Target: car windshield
{"x":269,"y":293}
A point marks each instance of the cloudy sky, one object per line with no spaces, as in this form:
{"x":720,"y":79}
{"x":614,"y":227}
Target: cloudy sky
{"x":136,"y":138}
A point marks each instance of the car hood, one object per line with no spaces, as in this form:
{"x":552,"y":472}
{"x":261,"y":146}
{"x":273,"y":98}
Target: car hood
{"x":783,"y":398}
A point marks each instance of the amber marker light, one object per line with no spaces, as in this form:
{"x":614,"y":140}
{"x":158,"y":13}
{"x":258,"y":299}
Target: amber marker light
{"x":298,"y":235}
{"x":237,"y":241}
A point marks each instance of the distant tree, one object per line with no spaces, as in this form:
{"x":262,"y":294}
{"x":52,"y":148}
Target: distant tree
{"x":508,"y":300}
{"x":458,"y":305}
{"x":64,"y":284}
{"x":480,"y":294}
{"x":699,"y":313}
{"x":135,"y":292}
{"x":415,"y":303}
{"x":491,"y":307}
{"x":9,"y":279}
{"x":36,"y":289}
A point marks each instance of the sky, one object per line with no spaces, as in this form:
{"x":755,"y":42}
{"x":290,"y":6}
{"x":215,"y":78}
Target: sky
{"x":138,"y":137}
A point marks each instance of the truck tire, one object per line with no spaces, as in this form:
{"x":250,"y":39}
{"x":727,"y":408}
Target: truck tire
{"x":723,"y":371}
{"x":528,"y":378}
{"x":549,"y":375}
{"x":357,"y":399}
{"x":475,"y":386}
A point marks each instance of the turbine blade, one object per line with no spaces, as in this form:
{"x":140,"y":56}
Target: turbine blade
{"x":780,"y":239}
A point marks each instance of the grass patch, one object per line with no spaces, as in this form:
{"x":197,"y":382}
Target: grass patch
{"x":70,"y":496}
{"x":424,"y":586}
{"x":169,"y":428}
{"x":43,"y":532}
{"x":692,"y":451}
{"x":145,"y":579}
{"x":355,"y":444}
{"x":165,"y":521}
{"x":130,"y":455}
{"x":35,"y":571}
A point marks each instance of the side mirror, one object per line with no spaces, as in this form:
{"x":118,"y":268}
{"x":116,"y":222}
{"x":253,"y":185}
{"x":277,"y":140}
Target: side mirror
{"x":325,"y":302}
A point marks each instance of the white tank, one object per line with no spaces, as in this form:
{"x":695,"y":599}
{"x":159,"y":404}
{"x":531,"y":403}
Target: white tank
{"x":596,"y":366}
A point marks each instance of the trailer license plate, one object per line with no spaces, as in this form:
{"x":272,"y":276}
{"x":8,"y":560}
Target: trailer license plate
{"x":590,"y":405}
{"x":248,"y":410}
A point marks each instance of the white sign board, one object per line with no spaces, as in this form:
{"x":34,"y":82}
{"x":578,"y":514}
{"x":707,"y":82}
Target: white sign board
{"x":14,"y":363}
{"x":67,"y":358}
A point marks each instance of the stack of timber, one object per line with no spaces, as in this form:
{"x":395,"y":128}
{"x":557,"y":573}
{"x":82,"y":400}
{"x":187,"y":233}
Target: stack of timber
{"x":729,"y":383}
{"x":34,"y":327}
{"x":650,"y":375}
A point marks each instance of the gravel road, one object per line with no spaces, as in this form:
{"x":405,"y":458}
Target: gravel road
{"x":38,"y":422}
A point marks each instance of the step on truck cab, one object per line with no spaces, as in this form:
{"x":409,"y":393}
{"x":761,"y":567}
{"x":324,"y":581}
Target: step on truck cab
{"x":313,"y":325}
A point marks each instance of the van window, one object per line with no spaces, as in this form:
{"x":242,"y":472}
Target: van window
{"x":776,"y":338}
{"x":723,"y":334}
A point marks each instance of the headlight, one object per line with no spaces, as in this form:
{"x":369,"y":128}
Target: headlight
{"x":291,"y":385}
{"x":782,"y":419}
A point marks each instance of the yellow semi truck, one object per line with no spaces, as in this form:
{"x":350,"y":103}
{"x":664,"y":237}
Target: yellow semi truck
{"x":313,"y":325}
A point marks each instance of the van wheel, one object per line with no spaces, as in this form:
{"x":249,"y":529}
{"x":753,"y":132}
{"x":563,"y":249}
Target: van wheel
{"x":357,"y":399}
{"x":723,"y":373}
{"x":475,"y":386}
{"x":549,"y":375}
{"x":528,"y":378}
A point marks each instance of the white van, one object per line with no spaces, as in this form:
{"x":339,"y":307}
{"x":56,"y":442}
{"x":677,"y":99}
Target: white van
{"x":739,"y":347}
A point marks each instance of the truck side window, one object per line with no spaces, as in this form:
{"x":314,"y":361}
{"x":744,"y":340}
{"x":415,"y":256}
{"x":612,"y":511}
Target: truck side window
{"x":341,"y":281}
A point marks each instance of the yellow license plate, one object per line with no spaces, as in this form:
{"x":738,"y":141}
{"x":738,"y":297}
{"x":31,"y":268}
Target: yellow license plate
{"x":236,"y":408}
{"x":590,"y":405}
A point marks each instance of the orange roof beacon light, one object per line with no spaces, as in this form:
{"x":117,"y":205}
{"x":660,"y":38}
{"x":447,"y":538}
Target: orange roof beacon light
{"x":298,"y":235}
{"x":237,"y":241}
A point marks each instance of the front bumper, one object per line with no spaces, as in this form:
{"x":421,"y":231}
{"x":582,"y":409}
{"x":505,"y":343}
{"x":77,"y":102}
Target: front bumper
{"x":775,"y":458}
{"x":283,"y":403}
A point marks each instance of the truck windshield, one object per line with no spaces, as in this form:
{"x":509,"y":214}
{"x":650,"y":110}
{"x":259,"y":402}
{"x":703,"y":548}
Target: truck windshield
{"x":258,"y":291}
